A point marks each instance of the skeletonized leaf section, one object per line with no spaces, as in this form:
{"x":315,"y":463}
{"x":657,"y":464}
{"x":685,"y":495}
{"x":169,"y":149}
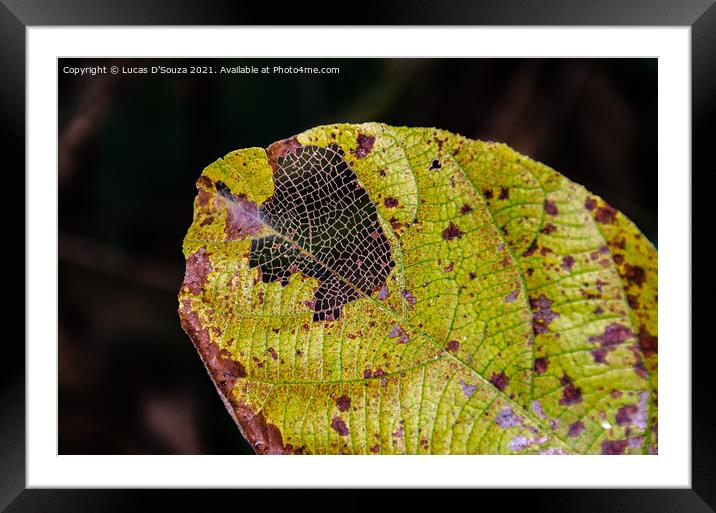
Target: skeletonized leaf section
{"x":326,"y":228}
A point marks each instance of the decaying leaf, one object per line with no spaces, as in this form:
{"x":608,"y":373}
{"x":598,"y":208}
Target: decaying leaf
{"x":367,"y":289}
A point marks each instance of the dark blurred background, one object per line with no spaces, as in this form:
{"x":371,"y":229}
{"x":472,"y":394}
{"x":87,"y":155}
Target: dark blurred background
{"x":132,"y":146}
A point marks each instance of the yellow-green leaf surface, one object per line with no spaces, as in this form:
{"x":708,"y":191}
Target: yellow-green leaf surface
{"x":368,"y":289}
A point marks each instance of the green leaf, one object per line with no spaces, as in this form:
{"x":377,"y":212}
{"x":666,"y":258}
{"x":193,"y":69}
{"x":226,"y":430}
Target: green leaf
{"x":368,"y":289}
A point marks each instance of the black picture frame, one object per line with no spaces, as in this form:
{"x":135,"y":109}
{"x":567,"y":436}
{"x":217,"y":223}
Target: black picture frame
{"x":17,"y":15}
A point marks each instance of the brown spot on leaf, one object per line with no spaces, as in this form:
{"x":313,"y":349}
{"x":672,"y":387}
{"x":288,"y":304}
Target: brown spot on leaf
{"x":227,"y":370}
{"x":567,"y":263}
{"x":575,"y":429}
{"x":203,"y":196}
{"x":487,"y":193}
{"x":399,"y":333}
{"x":499,"y":381}
{"x":365,"y":145}
{"x":614,"y":334}
{"x":648,"y":343}
{"x":634,"y":274}
{"x":618,"y":243}
{"x":639,"y":367}
{"x":626,"y":414}
{"x":449,"y":267}
{"x":452,"y":346}
{"x":390,"y":202}
{"x":512,"y":296}
{"x":435,"y":164}
{"x":504,"y":193}
{"x":339,"y":426}
{"x":465,"y":209}
{"x":451,"y":232}
{"x":409,"y":297}
{"x":542,"y":314}
{"x":612,"y":447}
{"x":242,"y":215}
{"x":265,"y":438}
{"x":531,"y":249}
{"x":541,"y":364}
{"x":272,"y":352}
{"x":198,"y":268}
{"x":550,"y":208}
{"x":204,"y":182}
{"x":507,"y":418}
{"x":571,"y":394}
{"x":599,"y":355}
{"x":343,"y":403}
{"x":548,"y":229}
{"x":605,"y":215}
{"x":467,"y":389}
{"x":588,"y":295}
{"x":199,"y":335}
{"x":590,"y":204}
